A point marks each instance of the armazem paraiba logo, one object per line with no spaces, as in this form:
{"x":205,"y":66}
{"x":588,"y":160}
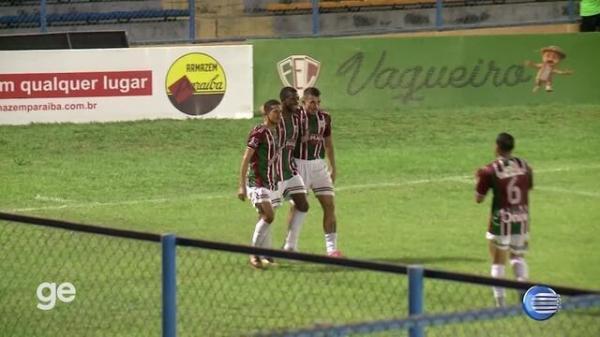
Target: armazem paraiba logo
{"x":299,"y":71}
{"x":196,"y":83}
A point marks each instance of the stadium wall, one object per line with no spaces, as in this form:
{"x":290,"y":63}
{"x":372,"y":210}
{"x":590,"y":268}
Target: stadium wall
{"x":235,"y":19}
{"x":414,"y":19}
{"x":508,"y":30}
{"x":228,"y":19}
{"x":359,"y":73}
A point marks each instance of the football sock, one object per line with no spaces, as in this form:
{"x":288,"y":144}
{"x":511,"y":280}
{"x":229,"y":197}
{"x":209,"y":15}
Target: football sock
{"x":291,"y":241}
{"x":331,"y":242}
{"x":520,"y":268}
{"x":267,"y":243}
{"x":261,"y":231}
{"x":498,"y":272}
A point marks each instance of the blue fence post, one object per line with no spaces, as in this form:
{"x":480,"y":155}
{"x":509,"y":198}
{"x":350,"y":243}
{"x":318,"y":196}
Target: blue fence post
{"x":315,"y":17}
{"x":192,"y":24}
{"x":169,"y":286}
{"x":415,"y":297}
{"x":43,"y":20}
{"x":439,"y":19}
{"x":571,"y":10}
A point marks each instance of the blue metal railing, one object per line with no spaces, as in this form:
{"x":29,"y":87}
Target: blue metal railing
{"x":169,"y":286}
{"x":415,"y":297}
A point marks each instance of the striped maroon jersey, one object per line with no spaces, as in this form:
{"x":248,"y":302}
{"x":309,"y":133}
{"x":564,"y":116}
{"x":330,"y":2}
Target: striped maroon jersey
{"x":289,"y":130}
{"x":264,"y":163}
{"x":314,"y":128}
{"x":510,"y":180}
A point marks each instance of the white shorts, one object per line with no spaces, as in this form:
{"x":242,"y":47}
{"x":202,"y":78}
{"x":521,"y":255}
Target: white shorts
{"x":517,"y":243}
{"x":294,"y":185}
{"x":316,"y":176}
{"x":259,"y":195}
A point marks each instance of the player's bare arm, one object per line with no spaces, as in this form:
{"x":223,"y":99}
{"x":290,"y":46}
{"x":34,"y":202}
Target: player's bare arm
{"x":243,"y":171}
{"x":330,"y":153}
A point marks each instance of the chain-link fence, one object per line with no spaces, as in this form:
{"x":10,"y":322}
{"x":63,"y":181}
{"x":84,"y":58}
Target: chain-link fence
{"x":472,"y":303}
{"x":116,"y":276}
{"x":314,"y":296}
{"x":221,"y":295}
{"x":578,"y":317}
{"x":116,"y":281}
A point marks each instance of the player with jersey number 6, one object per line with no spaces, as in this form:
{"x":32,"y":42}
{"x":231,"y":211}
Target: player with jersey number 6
{"x":510,"y":179}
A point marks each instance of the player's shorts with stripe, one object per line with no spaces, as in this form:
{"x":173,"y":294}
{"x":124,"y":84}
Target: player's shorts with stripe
{"x":316,"y":176}
{"x":513,"y":236}
{"x":259,"y":195}
{"x":294,"y":185}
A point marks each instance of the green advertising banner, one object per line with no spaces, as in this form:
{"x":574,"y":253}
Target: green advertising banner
{"x":363,"y":73}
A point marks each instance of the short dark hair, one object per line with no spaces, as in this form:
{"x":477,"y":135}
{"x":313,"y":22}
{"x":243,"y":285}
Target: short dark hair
{"x":269,"y":105}
{"x":505,"y":142}
{"x":286,"y":92}
{"x":312,"y":91}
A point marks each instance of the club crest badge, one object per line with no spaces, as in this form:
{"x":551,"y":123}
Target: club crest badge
{"x":299,"y":71}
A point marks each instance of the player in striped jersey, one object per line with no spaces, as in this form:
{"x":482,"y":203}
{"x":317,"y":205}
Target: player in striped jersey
{"x":291,"y":185}
{"x":510,"y":179}
{"x":259,"y":184}
{"x":314,"y":145}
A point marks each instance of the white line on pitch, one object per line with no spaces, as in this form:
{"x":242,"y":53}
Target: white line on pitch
{"x":123,"y":203}
{"x":567,"y":191}
{"x":400,"y":183}
{"x":546,"y":188}
{"x":46,"y":198}
{"x":461,"y":179}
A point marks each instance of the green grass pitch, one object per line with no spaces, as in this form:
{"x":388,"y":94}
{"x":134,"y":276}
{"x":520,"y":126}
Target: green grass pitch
{"x":404,"y":190}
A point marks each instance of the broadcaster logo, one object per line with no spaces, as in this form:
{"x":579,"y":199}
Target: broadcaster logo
{"x":541,"y":303}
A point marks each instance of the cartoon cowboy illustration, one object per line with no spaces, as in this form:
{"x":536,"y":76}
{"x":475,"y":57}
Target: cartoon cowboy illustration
{"x":551,"y":57}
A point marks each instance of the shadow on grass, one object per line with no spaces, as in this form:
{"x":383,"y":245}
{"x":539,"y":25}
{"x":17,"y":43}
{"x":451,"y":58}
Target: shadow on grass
{"x":290,"y":265}
{"x":429,"y":260}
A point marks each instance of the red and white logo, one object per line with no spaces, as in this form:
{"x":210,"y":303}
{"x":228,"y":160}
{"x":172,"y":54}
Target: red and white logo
{"x":299,"y":71}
